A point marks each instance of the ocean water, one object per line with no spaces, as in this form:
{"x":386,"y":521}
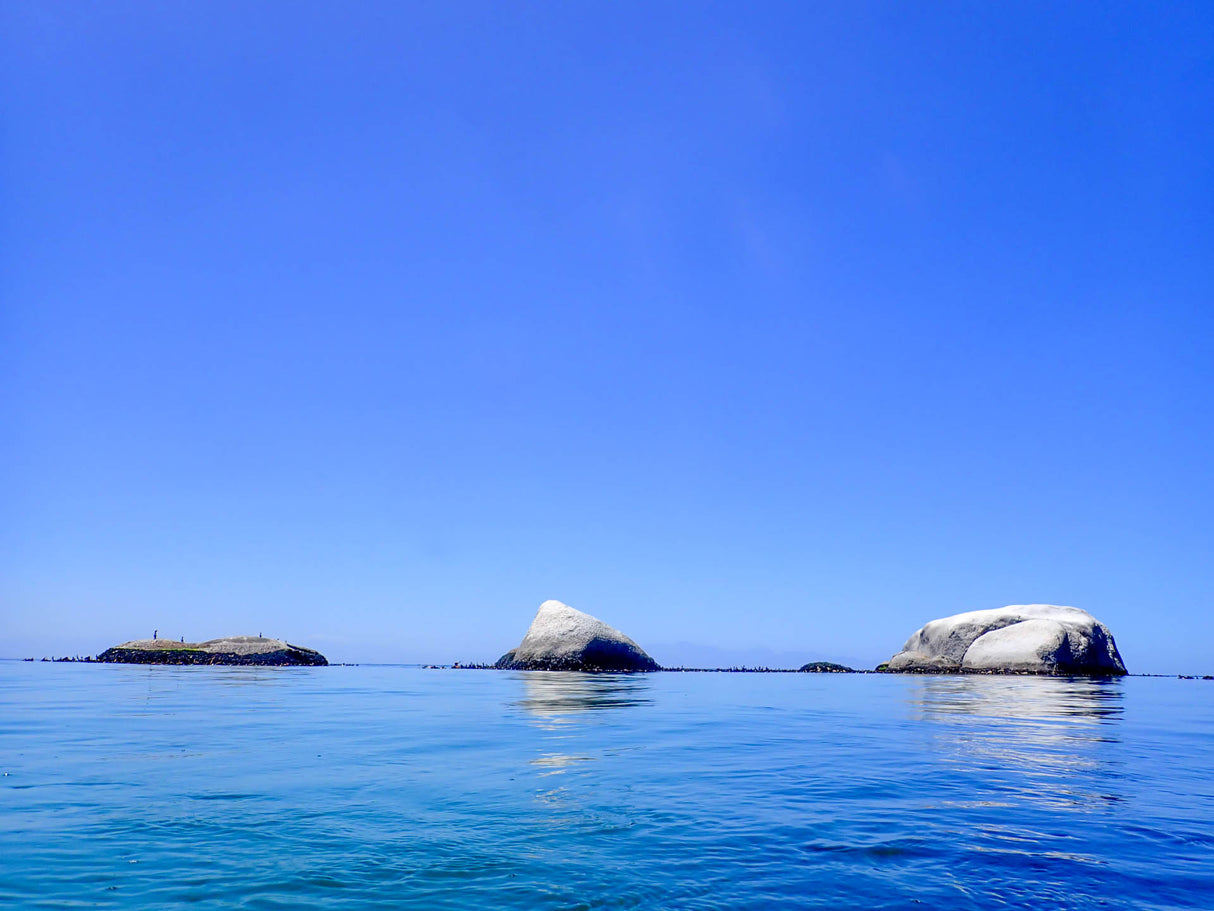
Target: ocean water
{"x":397,"y":787}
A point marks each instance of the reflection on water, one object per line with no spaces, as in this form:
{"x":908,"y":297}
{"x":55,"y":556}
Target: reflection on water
{"x":554,"y":700}
{"x":171,"y":676}
{"x":551,"y":694}
{"x":1046,"y":700}
{"x":1047,"y":739}
{"x":558,"y":763}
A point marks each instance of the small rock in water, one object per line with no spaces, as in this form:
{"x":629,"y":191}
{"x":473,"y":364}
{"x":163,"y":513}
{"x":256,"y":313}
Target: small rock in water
{"x":826,"y":667}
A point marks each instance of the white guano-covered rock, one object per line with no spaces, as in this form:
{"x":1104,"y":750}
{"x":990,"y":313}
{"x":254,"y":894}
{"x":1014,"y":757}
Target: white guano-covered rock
{"x":564,"y":639}
{"x":1018,"y":639}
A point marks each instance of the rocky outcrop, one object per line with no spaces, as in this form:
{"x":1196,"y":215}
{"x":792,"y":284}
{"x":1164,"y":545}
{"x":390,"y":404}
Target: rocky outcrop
{"x":1018,"y":639}
{"x":564,"y":639}
{"x":826,"y":667}
{"x":249,"y":650}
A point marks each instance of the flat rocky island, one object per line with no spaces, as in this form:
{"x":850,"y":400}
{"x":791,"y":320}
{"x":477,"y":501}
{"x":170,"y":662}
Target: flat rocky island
{"x":236,"y":650}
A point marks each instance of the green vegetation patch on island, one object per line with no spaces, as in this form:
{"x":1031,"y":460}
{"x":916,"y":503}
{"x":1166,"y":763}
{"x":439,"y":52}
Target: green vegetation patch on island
{"x":232,"y":650}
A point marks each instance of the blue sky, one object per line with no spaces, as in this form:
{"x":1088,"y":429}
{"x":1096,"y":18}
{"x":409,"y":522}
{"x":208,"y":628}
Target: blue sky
{"x":765,"y":332}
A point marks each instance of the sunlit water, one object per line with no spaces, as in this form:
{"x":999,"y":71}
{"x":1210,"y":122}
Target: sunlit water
{"x":389,"y":787}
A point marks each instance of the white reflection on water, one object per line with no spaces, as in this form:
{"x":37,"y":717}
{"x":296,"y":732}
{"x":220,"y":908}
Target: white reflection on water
{"x":1041,"y":700}
{"x":558,"y":763}
{"x":550,"y":696}
{"x":558,"y":702}
{"x":1051,"y":739}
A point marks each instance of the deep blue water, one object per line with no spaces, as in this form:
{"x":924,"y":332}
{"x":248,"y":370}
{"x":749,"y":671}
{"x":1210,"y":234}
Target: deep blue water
{"x":388,"y":787}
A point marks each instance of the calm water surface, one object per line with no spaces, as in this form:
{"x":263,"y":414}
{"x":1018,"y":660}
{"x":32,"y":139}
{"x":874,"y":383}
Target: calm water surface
{"x":389,"y":787}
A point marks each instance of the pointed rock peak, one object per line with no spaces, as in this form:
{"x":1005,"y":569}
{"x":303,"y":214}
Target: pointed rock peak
{"x":553,"y":606}
{"x":562,"y":638}
{"x":555,"y":611}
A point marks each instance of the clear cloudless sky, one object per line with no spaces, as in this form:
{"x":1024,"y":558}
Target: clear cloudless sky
{"x":762,"y":331}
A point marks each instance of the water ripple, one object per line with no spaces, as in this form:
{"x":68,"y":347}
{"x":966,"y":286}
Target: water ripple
{"x":358,"y":788}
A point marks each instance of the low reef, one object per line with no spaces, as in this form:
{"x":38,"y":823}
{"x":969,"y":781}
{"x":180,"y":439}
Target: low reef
{"x":826,"y":667}
{"x":232,"y":650}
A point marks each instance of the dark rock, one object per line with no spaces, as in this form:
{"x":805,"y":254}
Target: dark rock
{"x":826,"y":667}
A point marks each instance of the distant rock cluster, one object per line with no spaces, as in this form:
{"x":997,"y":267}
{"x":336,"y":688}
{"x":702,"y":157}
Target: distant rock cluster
{"x":1018,"y":639}
{"x":233,"y":650}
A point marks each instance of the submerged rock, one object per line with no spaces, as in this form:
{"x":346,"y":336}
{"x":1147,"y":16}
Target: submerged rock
{"x":1018,"y":639}
{"x":564,"y":639}
{"x":826,"y":667}
{"x":254,"y":650}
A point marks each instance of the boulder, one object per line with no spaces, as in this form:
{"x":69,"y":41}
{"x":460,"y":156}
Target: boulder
{"x":1018,"y":639}
{"x":253,"y":650}
{"x":564,"y":639}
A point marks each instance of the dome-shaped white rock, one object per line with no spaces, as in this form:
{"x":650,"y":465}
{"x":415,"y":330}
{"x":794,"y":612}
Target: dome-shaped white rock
{"x":564,"y":639}
{"x":1018,"y":639}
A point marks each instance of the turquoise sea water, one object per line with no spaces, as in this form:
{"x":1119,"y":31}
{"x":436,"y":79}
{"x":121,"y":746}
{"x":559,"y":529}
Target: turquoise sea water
{"x":390,"y":787}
